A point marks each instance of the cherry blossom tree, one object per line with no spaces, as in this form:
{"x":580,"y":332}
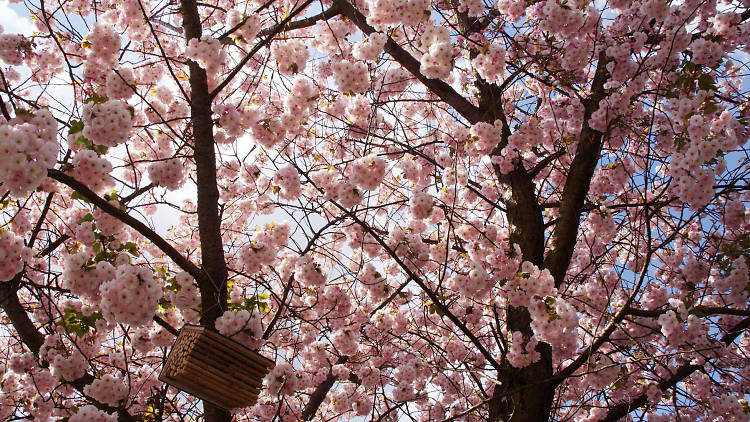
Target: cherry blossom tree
{"x":457,"y":210}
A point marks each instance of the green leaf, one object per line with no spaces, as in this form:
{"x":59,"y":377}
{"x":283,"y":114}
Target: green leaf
{"x":706,"y":82}
{"x":77,"y":195}
{"x":112,"y":196}
{"x":165,"y":305}
{"x":87,"y":217}
{"x":249,"y":304}
{"x":74,"y":322}
{"x":710,"y":107}
{"x":171,"y":284}
{"x":96,"y":99}
{"x":131,"y":247}
{"x":76,"y":126}
{"x":84,"y":141}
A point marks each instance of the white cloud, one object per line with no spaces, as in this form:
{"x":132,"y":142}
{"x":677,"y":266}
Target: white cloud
{"x":12,"y":22}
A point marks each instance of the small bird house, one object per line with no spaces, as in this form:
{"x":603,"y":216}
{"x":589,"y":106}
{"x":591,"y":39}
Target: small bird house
{"x":215,"y":368}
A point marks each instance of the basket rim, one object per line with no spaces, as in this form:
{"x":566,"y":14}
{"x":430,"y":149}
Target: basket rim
{"x":271,"y":363}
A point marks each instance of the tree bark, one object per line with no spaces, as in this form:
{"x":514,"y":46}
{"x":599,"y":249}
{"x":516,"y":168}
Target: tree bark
{"x":213,"y":280}
{"x":565,"y":235}
{"x":520,"y":396}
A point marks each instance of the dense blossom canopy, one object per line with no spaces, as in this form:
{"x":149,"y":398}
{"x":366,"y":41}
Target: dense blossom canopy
{"x":510,"y":210}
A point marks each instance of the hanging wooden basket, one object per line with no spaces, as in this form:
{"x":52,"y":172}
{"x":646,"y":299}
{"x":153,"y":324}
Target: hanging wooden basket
{"x":215,"y":368}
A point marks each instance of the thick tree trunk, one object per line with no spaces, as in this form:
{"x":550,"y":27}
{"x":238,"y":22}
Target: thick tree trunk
{"x":213,"y":281}
{"x":523,"y":395}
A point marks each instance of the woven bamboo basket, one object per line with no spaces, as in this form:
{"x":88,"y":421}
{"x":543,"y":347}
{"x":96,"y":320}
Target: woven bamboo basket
{"x":215,"y":368}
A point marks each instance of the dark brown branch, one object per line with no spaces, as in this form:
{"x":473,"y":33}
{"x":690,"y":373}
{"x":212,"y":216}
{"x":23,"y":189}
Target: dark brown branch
{"x":164,"y":324}
{"x":438,"y":87}
{"x":584,"y":356}
{"x":621,"y":410}
{"x":136,"y":193}
{"x":307,"y":22}
{"x":576,"y":188}
{"x":54,"y":245}
{"x":34,"y":340}
{"x":698,"y":310}
{"x":317,"y":397}
{"x":272,"y":33}
{"x":416,"y":279}
{"x":126,"y":218}
{"x":17,"y":315}
{"x":224,"y":38}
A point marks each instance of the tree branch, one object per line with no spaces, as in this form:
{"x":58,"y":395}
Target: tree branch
{"x":438,"y":87}
{"x":34,"y":340}
{"x":317,"y":397}
{"x":621,"y":410}
{"x":126,"y":218}
{"x":212,"y":283}
{"x":272,"y":33}
{"x":576,"y":188}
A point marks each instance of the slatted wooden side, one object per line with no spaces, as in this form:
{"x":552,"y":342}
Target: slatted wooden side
{"x":214,"y":368}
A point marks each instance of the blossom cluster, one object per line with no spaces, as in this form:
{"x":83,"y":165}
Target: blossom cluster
{"x":188,"y":297}
{"x":13,"y":255}
{"x":471,"y":7}
{"x":554,"y":321}
{"x":348,"y":195}
{"x":308,"y":273}
{"x":486,"y":136}
{"x":266,"y":129}
{"x":46,"y":63}
{"x":169,"y":173}
{"x":370,"y":48}
{"x":437,"y":60}
{"x":90,"y":413}
{"x":387,"y":13}
{"x":521,"y":355}
{"x":108,"y":123}
{"x":299,"y":103}
{"x":290,"y":55}
{"x":242,"y":327}
{"x":367,"y":172}
{"x":421,"y":204}
{"x":11,"y":48}
{"x":107,"y":389}
{"x":28,"y":147}
{"x":264,"y":246}
{"x":93,"y":170}
{"x":346,"y":340}
{"x":288,"y":181}
{"x":83,"y":280}
{"x":374,"y":283}
{"x":250,"y":25}
{"x":394,"y":81}
{"x":345,"y":192}
{"x":282,"y":379}
{"x":207,"y":52}
{"x":69,"y":368}
{"x":351,"y":76}
{"x":529,"y":283}
{"x":491,"y":63}
{"x":734,"y":285}
{"x":131,"y":297}
{"x":119,"y":84}
{"x":103,"y":44}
